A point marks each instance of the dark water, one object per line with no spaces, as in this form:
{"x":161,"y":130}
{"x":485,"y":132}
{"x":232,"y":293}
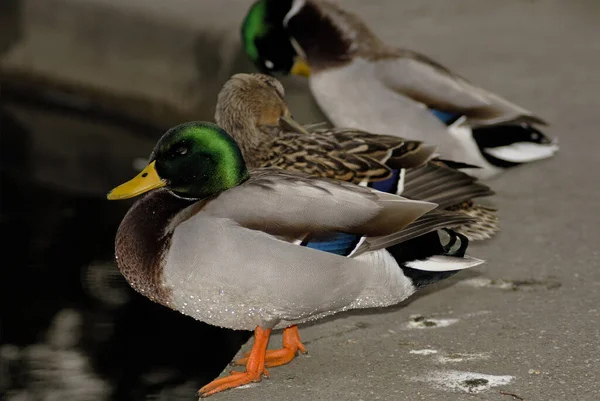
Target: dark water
{"x":71,"y":328}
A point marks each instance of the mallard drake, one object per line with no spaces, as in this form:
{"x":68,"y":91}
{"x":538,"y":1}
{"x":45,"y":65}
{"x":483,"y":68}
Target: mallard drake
{"x":359,"y":81}
{"x":253,"y":110}
{"x":227,"y":245}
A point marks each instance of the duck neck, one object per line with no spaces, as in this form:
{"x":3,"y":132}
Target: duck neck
{"x":252,"y":140}
{"x":144,"y":237}
{"x":324,"y":44}
{"x":332,"y":37}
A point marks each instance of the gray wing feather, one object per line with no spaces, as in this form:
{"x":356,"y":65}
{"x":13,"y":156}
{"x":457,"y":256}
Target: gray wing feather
{"x":442,"y":185}
{"x":433,"y":220}
{"x":291,"y":204}
{"x":425,"y":81}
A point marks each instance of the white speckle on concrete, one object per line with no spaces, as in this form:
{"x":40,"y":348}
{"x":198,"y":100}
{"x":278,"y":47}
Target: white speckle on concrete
{"x":482,"y":282}
{"x":462,"y":357}
{"x":513,"y":285}
{"x":479,"y":313}
{"x":419,"y":322}
{"x":249,"y":385}
{"x":467,"y":382}
{"x":423,"y":351}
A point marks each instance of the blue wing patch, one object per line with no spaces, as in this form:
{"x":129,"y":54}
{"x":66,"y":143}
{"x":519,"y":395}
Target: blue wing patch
{"x":390,"y":185}
{"x":339,"y":243}
{"x":445,"y":117}
{"x":342,"y":243}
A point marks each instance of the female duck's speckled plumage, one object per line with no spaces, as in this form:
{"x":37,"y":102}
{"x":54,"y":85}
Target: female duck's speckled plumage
{"x":252,"y":108}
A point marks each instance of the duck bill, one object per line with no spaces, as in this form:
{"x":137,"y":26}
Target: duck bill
{"x":145,"y":181}
{"x":288,"y":123}
{"x":300,"y":67}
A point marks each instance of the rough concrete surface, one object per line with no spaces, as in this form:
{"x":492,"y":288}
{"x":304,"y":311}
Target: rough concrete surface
{"x":525,"y":323}
{"x":536,"y":327}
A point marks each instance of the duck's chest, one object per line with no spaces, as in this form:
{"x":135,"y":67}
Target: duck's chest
{"x":215,"y":277}
{"x":218,"y":304}
{"x":141,"y":243}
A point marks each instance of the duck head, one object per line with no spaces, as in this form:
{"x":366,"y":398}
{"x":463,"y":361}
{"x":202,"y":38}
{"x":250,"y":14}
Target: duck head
{"x":252,"y":108}
{"x":266,"y":41}
{"x":195,"y":160}
{"x":288,"y":36}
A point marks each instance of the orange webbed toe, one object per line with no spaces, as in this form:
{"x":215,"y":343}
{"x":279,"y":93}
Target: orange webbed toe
{"x":282,"y":356}
{"x":255,"y":367}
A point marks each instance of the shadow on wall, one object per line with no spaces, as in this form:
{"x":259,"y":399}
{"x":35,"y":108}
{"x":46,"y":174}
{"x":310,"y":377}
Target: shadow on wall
{"x":10,"y":17}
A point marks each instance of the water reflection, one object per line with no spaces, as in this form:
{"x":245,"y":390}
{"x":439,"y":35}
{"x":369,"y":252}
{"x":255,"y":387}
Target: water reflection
{"x":71,"y":327}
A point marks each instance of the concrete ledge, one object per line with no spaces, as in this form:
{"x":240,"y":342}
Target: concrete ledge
{"x":138,"y":59}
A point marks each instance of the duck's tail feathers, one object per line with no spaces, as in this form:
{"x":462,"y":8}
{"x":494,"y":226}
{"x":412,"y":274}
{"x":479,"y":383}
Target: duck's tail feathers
{"x":454,"y":164}
{"x":434,"y":256}
{"x":511,"y":144}
{"x":431,"y":221}
{"x":485,"y":223}
{"x":443,"y":263}
{"x":442,"y":185}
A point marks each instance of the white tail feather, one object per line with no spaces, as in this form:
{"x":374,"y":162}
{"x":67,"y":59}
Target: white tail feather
{"x":523,"y":152}
{"x":441,"y":263}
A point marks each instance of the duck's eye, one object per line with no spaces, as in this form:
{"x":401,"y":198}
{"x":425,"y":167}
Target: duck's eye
{"x":182,"y":150}
{"x":535,"y":136}
{"x":269,"y":64}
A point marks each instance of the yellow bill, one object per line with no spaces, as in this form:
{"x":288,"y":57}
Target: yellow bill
{"x":300,"y":67}
{"x":145,"y":181}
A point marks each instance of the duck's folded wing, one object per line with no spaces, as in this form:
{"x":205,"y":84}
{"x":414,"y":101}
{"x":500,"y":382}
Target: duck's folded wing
{"x":434,"y":220}
{"x":290,"y":204}
{"x":321,"y":155}
{"x":283,"y":281}
{"x":423,"y":80}
{"x":347,"y":154}
{"x":395,"y":151}
{"x":442,"y":185}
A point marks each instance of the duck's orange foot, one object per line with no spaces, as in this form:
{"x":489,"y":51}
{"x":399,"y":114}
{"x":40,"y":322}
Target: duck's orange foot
{"x":255,"y":368}
{"x":235,"y":379}
{"x":278,"y":357}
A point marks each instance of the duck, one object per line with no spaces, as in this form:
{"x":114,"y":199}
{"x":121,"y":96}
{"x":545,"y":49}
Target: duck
{"x":226,"y":244}
{"x":253,"y":110}
{"x":359,"y":81}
